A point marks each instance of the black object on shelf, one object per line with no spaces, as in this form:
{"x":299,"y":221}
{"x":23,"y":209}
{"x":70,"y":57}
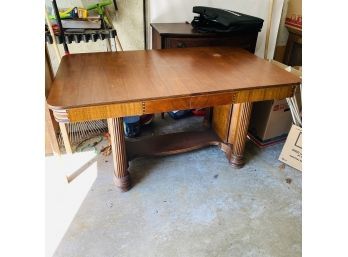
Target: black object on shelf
{"x":223,"y":21}
{"x":176,"y":115}
{"x":78,"y":35}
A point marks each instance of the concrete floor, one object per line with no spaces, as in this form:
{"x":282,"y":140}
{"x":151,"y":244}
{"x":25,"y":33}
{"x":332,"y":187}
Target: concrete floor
{"x":192,"y":204}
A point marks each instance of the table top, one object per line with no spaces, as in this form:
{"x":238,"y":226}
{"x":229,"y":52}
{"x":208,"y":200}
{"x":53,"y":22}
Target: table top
{"x":120,"y":77}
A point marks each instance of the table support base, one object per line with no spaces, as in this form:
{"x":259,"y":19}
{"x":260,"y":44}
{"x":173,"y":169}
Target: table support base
{"x":239,"y":128}
{"x":118,"y":145}
{"x":237,"y":161}
{"x":123,"y":152}
{"x":123,"y":183}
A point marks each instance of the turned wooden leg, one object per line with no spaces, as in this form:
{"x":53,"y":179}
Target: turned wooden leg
{"x":118,"y":145}
{"x":238,"y":132}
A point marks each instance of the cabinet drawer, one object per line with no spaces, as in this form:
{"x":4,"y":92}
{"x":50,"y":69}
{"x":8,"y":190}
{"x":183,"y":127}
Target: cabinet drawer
{"x":245,"y":42}
{"x":188,"y":102}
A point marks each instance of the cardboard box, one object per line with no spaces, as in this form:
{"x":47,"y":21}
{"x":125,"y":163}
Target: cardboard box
{"x":293,"y":18}
{"x":270,"y":120}
{"x":292,"y":150}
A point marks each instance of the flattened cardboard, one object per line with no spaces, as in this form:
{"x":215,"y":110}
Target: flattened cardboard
{"x":292,"y":150}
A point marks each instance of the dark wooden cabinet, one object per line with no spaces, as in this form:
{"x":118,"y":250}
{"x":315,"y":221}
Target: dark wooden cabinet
{"x":293,"y":51}
{"x":179,"y":35}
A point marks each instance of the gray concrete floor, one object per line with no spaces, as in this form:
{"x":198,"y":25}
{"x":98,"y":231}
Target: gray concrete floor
{"x":192,"y":204}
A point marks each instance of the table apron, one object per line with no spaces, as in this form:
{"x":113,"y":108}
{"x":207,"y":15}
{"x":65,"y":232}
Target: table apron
{"x":98,"y":112}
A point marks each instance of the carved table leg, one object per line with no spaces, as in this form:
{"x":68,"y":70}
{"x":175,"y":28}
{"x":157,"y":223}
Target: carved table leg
{"x":238,"y":132}
{"x":121,"y":174}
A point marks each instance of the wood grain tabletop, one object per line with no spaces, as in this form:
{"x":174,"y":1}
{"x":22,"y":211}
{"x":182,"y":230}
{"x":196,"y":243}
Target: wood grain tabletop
{"x":105,"y":78}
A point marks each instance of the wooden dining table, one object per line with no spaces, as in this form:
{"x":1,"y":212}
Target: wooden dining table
{"x":113,"y":85}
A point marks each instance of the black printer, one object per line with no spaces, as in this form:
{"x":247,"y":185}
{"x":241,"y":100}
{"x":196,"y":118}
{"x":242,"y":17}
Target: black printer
{"x":223,"y":21}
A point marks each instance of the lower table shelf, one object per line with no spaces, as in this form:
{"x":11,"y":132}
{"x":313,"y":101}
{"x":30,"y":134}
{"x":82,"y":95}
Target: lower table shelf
{"x":173,"y":143}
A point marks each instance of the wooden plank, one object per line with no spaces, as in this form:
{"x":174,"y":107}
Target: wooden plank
{"x":65,"y":137}
{"x":51,"y":126}
{"x":51,"y":140}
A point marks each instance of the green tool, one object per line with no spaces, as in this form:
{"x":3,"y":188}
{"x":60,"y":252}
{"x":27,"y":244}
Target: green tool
{"x":71,"y":13}
{"x":100,"y":9}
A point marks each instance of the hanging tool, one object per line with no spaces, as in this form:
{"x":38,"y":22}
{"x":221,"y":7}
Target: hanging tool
{"x":101,"y":11}
{"x":56,"y":13}
{"x":106,"y":18}
{"x":115,"y":4}
{"x":72,"y":13}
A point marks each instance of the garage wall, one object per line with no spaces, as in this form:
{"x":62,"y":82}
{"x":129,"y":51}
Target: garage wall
{"x":128,"y":21}
{"x":181,"y":11}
